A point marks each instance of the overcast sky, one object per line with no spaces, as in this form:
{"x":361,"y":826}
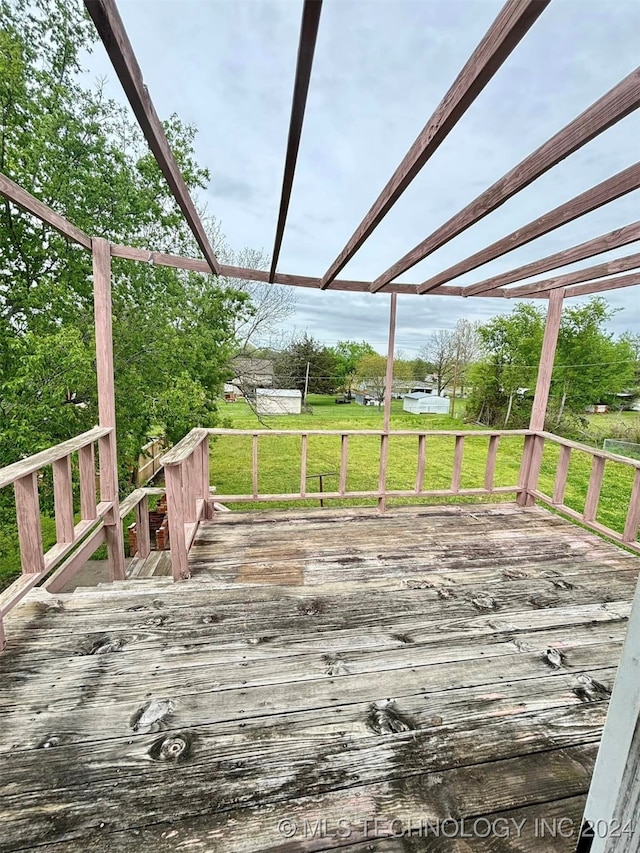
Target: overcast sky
{"x":380,"y":69}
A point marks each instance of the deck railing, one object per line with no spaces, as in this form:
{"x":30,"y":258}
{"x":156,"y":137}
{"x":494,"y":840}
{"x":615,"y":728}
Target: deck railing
{"x":588,"y":515}
{"x":189,"y":496}
{"x":24,"y":476}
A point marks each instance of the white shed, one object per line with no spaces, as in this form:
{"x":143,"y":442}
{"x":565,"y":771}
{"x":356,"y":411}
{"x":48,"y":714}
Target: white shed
{"x":419,"y":403}
{"x":278,"y":401}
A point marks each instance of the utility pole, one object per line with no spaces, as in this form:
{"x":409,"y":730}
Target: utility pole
{"x":306,"y":384}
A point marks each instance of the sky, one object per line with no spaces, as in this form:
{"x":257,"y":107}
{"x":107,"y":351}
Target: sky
{"x":381,"y":67}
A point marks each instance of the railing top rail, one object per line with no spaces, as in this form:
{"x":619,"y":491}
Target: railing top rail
{"x":594,"y":451}
{"x":369,"y":432}
{"x":46,"y":457}
{"x":185,"y":447}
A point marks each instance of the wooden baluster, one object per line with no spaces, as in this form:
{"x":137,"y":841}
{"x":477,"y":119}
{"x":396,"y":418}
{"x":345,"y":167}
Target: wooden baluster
{"x":561,"y":474}
{"x":142,"y":528}
{"x":490,"y":467}
{"x":303,"y":466}
{"x":204,"y":476}
{"x":175,"y":511}
{"x":343,"y":464}
{"x":593,"y":491}
{"x":633,"y":513}
{"x":422,"y":454}
{"x":29,"y":529}
{"x":63,"y":500}
{"x":382,"y":479}
{"x":254,"y":466}
{"x":87,"y":471}
{"x":457,"y":463}
{"x":189,"y":485}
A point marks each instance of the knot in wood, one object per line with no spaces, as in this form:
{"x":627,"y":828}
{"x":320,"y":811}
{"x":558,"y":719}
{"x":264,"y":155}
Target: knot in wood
{"x":173,"y":749}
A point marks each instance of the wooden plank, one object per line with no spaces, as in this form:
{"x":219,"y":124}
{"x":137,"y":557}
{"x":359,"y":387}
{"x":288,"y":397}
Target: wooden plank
{"x":562,"y":471}
{"x":373,"y":494}
{"x":306,"y":47}
{"x":108,"y":23}
{"x":603,"y":285}
{"x":186,"y":446}
{"x":143,"y":535}
{"x":189,"y":483}
{"x":9,"y":189}
{"x":594,"y":488}
{"x":613,"y":793}
{"x":382,"y":475}
{"x":511,"y":25}
{"x":547,"y":356}
{"x":422,"y":453}
{"x":63,"y":500}
{"x":587,"y":274}
{"x":490,"y":467}
{"x":254,"y":466}
{"x":344,"y":458}
{"x":107,"y":404}
{"x":623,"y":99}
{"x":596,"y":246}
{"x":175,"y":512}
{"x":373,"y":432}
{"x":303,"y":465}
{"x":28,"y":519}
{"x":592,"y":451}
{"x":457,"y":464}
{"x":608,"y":190}
{"x":47,"y":457}
{"x":65,"y":572}
{"x":633,"y":513}
{"x":388,"y":383}
{"x":87,"y":474}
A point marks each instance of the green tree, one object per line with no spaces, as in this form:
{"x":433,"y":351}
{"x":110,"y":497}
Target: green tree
{"x":347,"y":355}
{"x":291,"y":364}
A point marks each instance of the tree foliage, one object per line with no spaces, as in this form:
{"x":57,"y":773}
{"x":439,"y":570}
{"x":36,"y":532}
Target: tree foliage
{"x":590,"y":365}
{"x":347,"y":355}
{"x":84,"y":156}
{"x":291,"y":366}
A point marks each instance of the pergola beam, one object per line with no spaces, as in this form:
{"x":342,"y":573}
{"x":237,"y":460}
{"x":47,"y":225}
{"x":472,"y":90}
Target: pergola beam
{"x":108,"y":23}
{"x":511,"y":25}
{"x":603,"y":285}
{"x":596,"y":246}
{"x":132,"y":253}
{"x":587,"y":274}
{"x":306,"y":47}
{"x":10,"y":190}
{"x":605,"y":112}
{"x":612,"y":188}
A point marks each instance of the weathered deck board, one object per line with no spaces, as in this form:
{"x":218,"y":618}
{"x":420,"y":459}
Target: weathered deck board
{"x":318,"y":666}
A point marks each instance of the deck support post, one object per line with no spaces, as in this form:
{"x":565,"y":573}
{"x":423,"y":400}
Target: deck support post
{"x":388,"y":388}
{"x":532,"y":453}
{"x":107,"y":404}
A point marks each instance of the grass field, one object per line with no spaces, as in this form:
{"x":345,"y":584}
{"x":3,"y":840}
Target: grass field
{"x":279,"y":462}
{"x":279,"y":459}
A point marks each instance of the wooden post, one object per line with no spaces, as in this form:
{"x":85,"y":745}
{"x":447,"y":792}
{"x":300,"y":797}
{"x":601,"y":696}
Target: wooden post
{"x":532,"y":455}
{"x":388,"y":388}
{"x":204,"y":473}
{"x":388,"y":385}
{"x":107,"y":404}
{"x":175,"y":511}
{"x":142,"y":528}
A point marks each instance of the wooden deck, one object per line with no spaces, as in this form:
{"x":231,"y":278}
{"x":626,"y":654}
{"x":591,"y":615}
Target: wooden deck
{"x":326,"y":679}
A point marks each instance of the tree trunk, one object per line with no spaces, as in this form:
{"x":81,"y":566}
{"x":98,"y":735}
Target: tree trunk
{"x":562,"y":404}
{"x":508,"y":415}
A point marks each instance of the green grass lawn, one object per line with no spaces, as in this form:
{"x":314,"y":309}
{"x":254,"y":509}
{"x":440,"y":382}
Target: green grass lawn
{"x":279,"y":459}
